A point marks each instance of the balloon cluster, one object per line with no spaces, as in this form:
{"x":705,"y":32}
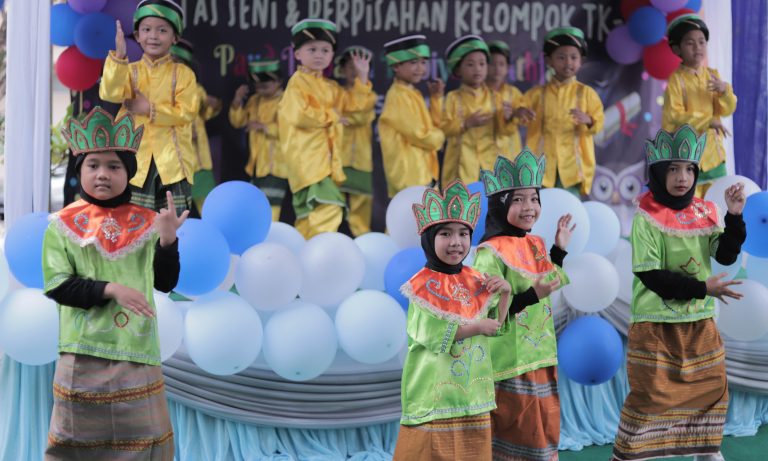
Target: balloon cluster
{"x":643,"y":35}
{"x":87,"y":29}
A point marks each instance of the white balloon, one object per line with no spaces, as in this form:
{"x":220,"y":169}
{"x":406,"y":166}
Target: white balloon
{"x":554,"y":204}
{"x":594,"y":282}
{"x":333,"y":268}
{"x":716,"y":192}
{"x":300,"y":341}
{"x":370,"y":326}
{"x":622,"y":260}
{"x":746,"y":319}
{"x":268,"y":276}
{"x":558,"y":302}
{"x":29,"y":327}
{"x":229,"y":280}
{"x":377,"y":249}
{"x":222,"y":332}
{"x":732,"y":270}
{"x":401,"y":224}
{"x":604,"y":228}
{"x":170,"y":325}
{"x":286,"y":235}
{"x":5,"y":275}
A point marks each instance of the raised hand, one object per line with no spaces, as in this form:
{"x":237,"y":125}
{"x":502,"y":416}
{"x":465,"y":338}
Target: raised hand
{"x":129,"y":298}
{"x":720,"y":288}
{"x":138,"y":105}
{"x":719,"y":128}
{"x":580,"y":117}
{"x":717,"y":85}
{"x":121,"y":51}
{"x":477,"y":119}
{"x":240,"y":94}
{"x":543,"y":288}
{"x":496,"y":284}
{"x":735,"y":198}
{"x":167,"y":221}
{"x":436,"y":87}
{"x":564,"y":231}
{"x":362,"y":62}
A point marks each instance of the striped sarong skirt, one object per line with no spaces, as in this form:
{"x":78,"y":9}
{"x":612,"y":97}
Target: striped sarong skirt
{"x":466,"y":438}
{"x":108,"y":410}
{"x":678,"y":395}
{"x":526,"y":421}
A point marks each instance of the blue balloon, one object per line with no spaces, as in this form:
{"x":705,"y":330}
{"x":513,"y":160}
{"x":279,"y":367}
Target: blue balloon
{"x":480,"y":227}
{"x":694,"y":5}
{"x":756,"y":219}
{"x":647,"y":25}
{"x":590,"y":350}
{"x":24,"y":248}
{"x":400,"y":268}
{"x":204,"y":257}
{"x":241,"y":212}
{"x":63,"y":22}
{"x":95,"y":35}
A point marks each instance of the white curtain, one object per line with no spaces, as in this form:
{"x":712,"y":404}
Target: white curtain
{"x":717,"y":15}
{"x":27,"y":108}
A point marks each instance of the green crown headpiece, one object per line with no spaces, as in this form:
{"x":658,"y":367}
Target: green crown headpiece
{"x":527,"y":170}
{"x":457,"y":204}
{"x":100,"y":132}
{"x":684,"y":145}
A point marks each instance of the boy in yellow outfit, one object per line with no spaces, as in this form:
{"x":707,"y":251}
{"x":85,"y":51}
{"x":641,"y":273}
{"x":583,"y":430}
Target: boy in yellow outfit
{"x":506,"y":98}
{"x":468,"y":112}
{"x":409,"y":139}
{"x":309,"y":123}
{"x":161,"y":95}
{"x":266,"y":164}
{"x":210,"y":106}
{"x":696,"y":96}
{"x":564,"y":114}
{"x":356,"y":147}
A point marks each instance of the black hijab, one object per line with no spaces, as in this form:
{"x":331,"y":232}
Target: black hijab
{"x":428,"y":244}
{"x":129,"y":161}
{"x":496,"y":220}
{"x":657,"y":184}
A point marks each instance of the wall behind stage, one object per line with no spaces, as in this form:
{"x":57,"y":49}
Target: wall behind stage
{"x":227,"y":34}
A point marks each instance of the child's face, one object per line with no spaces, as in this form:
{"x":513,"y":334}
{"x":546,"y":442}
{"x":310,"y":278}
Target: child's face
{"x":268,"y":88}
{"x":498,"y":68}
{"x":412,"y":71}
{"x":156,"y":36}
{"x":315,"y":54}
{"x":565,"y":60}
{"x":692,"y":48}
{"x":525,"y":208}
{"x":103,"y":176}
{"x":452,"y":243}
{"x":473,"y":69}
{"x":680,"y":178}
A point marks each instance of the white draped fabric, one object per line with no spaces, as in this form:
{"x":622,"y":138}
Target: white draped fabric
{"x":717,"y":14}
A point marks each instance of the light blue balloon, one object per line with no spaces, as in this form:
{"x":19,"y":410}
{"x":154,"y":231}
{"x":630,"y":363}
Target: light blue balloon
{"x":732,"y":270}
{"x":241,"y":212}
{"x":756,"y":218}
{"x":24,"y":248}
{"x":400,"y":268}
{"x":757,"y":269}
{"x":204,"y":257}
{"x":480,"y":227}
{"x":29,"y":327}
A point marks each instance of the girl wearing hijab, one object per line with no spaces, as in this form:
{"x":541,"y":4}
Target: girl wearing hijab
{"x":526,"y":423}
{"x":447,"y":385}
{"x":675,"y":357}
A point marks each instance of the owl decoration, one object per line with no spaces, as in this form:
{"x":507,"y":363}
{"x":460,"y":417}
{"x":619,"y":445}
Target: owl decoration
{"x":619,"y":190}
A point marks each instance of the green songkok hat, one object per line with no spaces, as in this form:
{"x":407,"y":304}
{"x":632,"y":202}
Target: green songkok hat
{"x":684,"y":145}
{"x":499,"y":46}
{"x":100,"y":132}
{"x":458,"y":204}
{"x":683,"y":24}
{"x":165,"y":9}
{"x":405,"y":49}
{"x":307,"y":30}
{"x":461,"y":47}
{"x":563,"y":36}
{"x":526,"y":171}
{"x":264,"y":70}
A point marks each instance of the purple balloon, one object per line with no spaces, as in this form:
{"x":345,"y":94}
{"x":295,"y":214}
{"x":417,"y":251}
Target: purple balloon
{"x":669,"y":5}
{"x":621,"y":47}
{"x":133,"y":49}
{"x":122,"y":10}
{"x":87,"y":6}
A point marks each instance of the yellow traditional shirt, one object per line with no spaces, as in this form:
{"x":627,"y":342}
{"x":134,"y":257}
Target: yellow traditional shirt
{"x":266,"y":156}
{"x":467,"y":149}
{"x":687,"y":100}
{"x":508,"y":142}
{"x":202,"y":149}
{"x":569,"y":148}
{"x":172,"y":91}
{"x":356,"y":147}
{"x":409,"y":140}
